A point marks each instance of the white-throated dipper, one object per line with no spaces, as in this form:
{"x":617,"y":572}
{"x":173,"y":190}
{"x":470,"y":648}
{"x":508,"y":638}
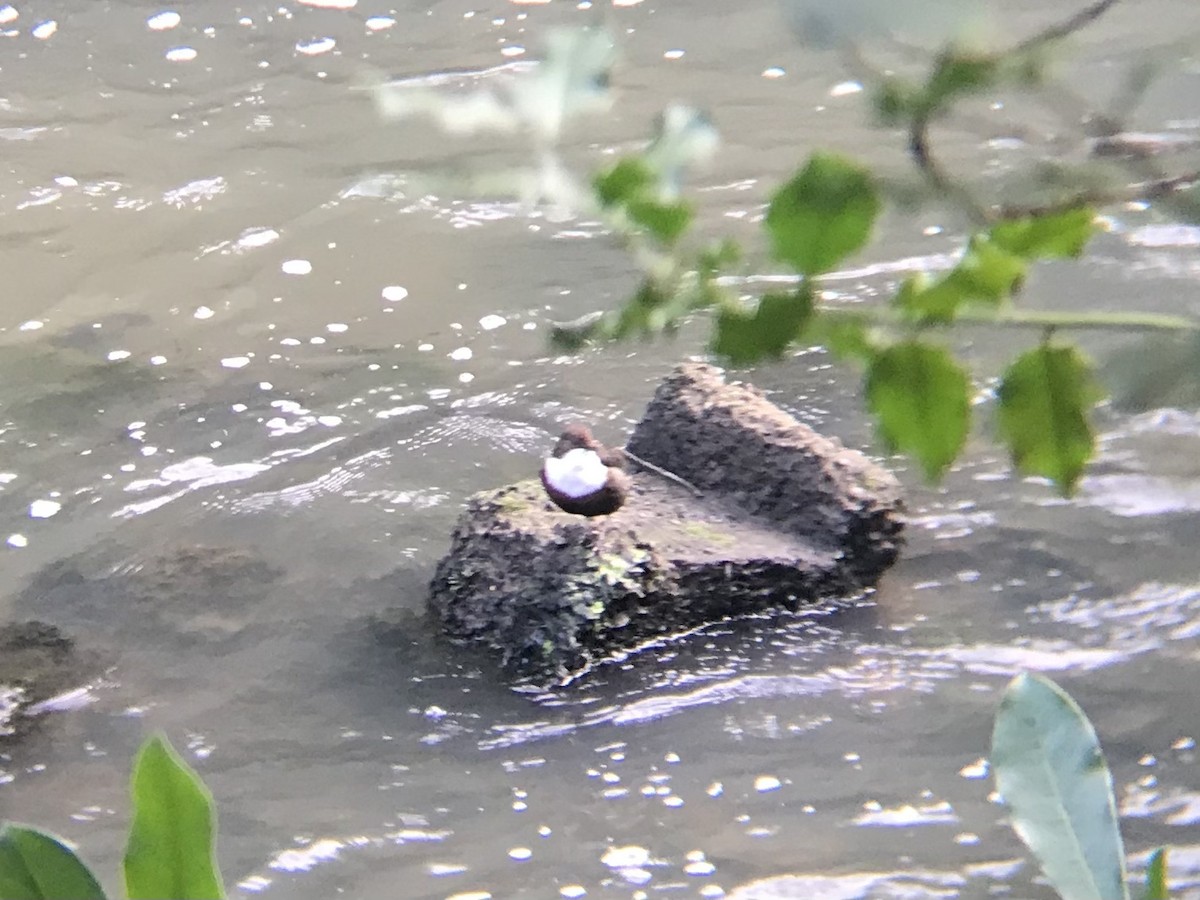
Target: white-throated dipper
{"x":583,"y":477}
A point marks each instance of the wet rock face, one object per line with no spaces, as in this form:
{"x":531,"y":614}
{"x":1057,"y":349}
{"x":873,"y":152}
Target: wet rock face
{"x":784,"y":517}
{"x":730,"y":440}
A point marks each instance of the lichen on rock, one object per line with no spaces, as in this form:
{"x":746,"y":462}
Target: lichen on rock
{"x":784,"y":517}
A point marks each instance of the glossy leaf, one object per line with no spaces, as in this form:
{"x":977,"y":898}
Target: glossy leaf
{"x":921,"y":400}
{"x":822,"y":215}
{"x":1058,"y":235}
{"x":1156,"y":876}
{"x":1045,"y":399}
{"x":743,"y":337}
{"x":1052,"y":775}
{"x":35,"y":865}
{"x":170,"y":849}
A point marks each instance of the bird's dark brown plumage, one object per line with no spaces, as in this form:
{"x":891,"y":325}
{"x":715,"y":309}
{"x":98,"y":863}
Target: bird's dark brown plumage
{"x":609,"y":498}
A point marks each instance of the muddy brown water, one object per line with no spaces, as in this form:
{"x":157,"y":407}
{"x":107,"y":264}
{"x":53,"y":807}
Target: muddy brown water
{"x":232,"y":481}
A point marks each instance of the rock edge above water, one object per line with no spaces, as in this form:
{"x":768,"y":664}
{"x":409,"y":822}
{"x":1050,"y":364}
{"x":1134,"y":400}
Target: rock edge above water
{"x":785,"y":518}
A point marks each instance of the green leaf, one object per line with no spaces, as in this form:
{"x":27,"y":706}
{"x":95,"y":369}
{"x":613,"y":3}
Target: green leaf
{"x":921,"y":399}
{"x":645,"y":313}
{"x":986,"y":273}
{"x":895,"y":101}
{"x":1156,"y":876}
{"x":666,"y":221}
{"x":1051,"y":773}
{"x":822,"y":215}
{"x":1057,"y":235}
{"x":35,"y":865}
{"x":170,"y":849}
{"x":743,"y":337}
{"x":1044,"y":401}
{"x":846,"y":334}
{"x":989,"y":272}
{"x":958,"y":73}
{"x":624,"y":181}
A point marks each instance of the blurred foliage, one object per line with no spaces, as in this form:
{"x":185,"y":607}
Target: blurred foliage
{"x":918,"y":390}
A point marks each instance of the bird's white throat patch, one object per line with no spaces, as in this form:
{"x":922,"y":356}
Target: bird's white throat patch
{"x":576,"y":473}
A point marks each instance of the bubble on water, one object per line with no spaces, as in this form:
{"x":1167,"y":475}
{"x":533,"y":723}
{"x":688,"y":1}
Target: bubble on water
{"x":624,"y":857}
{"x":329,"y":421}
{"x":488,"y":323}
{"x":394,"y":293}
{"x":256,"y":237}
{"x":8,"y":14}
{"x":235,"y":362}
{"x":43,"y":30}
{"x":32,"y":325}
{"x":774,"y":72}
{"x":203,"y":312}
{"x":461,"y":354}
{"x":43,"y":509}
{"x":520,"y":853}
{"x":765,"y":783}
{"x":977,"y":769}
{"x":440,"y":869}
{"x":673,"y":54}
{"x":117,"y":355}
{"x":330,"y":4}
{"x":316,"y":47}
{"x":337,"y":327}
{"x":163,"y":21}
{"x":181,"y":54}
{"x":845,"y":88}
{"x":379,"y":23}
{"x":17,"y":540}
{"x":572,"y":891}
{"x":296,"y":267}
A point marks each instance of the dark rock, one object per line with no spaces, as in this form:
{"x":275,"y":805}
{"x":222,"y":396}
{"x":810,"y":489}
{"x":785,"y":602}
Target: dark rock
{"x":37,"y":662}
{"x":784,"y":517}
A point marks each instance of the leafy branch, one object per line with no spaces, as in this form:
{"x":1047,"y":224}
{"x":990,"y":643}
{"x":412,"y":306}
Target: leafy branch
{"x":919,"y":392}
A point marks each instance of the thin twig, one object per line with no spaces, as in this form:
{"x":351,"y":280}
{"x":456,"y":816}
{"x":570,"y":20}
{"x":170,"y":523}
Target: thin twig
{"x":1146,"y":190}
{"x":1122,"y":320}
{"x":1065,"y":28}
{"x":657,"y":470}
{"x":923,"y":158}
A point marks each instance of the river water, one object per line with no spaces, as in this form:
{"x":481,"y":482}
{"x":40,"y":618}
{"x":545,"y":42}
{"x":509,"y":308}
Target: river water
{"x":249,"y":374}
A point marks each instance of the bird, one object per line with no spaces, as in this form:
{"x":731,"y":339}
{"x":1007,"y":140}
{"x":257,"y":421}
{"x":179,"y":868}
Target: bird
{"x":583,"y":477}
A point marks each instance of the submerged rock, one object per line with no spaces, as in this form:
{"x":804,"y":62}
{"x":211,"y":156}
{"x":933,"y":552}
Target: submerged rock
{"x":779,"y":517}
{"x":37,"y":662}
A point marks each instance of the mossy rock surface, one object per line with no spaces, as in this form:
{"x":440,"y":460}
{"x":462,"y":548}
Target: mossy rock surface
{"x":784,"y":518}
